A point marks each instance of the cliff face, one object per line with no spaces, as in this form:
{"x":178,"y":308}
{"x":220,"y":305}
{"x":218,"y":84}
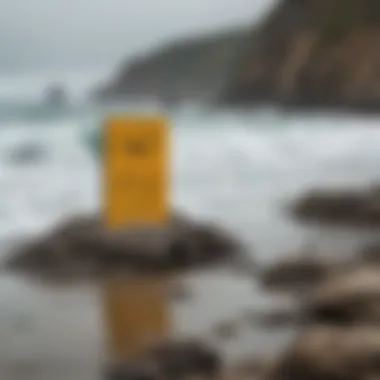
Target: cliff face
{"x":305,"y":53}
{"x":186,"y":69}
{"x":313,"y":53}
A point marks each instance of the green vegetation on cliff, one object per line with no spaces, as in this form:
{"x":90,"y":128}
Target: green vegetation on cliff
{"x":184,"y":69}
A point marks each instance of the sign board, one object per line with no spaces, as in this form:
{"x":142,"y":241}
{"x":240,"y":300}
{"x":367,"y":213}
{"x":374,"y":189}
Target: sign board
{"x":136,"y":170}
{"x":137,"y":313}
{"x":136,"y":179}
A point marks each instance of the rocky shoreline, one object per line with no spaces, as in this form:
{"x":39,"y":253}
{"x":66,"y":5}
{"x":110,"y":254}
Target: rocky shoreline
{"x":332,"y":303}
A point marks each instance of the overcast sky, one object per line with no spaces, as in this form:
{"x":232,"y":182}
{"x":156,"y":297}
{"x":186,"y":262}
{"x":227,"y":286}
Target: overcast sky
{"x":94,"y":33}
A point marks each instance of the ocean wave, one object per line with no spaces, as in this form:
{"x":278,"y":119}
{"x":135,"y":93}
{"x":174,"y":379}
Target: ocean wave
{"x":227,"y":165}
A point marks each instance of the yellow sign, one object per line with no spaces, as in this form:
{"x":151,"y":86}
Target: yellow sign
{"x":136,"y":170}
{"x":136,"y":192}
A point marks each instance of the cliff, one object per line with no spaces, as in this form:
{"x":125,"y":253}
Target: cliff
{"x":313,"y":53}
{"x":304,"y":54}
{"x":184,"y":69}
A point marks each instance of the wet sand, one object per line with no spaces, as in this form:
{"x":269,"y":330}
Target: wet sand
{"x":58,"y":334}
{"x":49,"y":334}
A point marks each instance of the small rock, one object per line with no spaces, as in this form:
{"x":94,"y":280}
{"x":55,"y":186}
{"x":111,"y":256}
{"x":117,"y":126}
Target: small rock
{"x":179,"y":359}
{"x":131,"y":371}
{"x":226,"y":330}
{"x":280,"y":318}
{"x":296,"y":273}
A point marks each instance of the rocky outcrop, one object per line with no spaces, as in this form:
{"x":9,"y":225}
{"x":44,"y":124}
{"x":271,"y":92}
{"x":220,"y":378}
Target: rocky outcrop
{"x":333,"y":353}
{"x":342,"y":207}
{"x":313,"y":53}
{"x":347,"y":299}
{"x":84,"y":248}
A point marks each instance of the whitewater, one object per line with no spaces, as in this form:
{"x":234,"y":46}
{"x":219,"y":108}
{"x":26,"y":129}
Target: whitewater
{"x":239,"y":169}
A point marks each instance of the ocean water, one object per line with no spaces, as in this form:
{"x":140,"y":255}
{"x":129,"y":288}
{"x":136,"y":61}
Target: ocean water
{"x":237,"y":168}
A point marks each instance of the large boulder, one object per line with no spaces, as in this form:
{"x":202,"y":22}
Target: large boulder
{"x":331,"y":353}
{"x":84,"y":248}
{"x":343,"y":207}
{"x":349,"y":298}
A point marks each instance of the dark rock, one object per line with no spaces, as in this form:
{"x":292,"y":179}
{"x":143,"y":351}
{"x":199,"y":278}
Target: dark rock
{"x":349,"y":298}
{"x":370,"y":254}
{"x":333,"y":206}
{"x":331,"y":353}
{"x":27,"y":154}
{"x":131,"y":371}
{"x":340,"y":207}
{"x":296,"y":273}
{"x":181,"y":359}
{"x":84,"y":248}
